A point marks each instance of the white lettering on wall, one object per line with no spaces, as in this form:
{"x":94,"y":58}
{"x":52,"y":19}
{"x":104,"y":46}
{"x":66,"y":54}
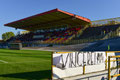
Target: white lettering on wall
{"x":77,"y":59}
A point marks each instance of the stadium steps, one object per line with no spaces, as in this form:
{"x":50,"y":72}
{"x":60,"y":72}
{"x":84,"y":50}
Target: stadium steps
{"x":59,"y":41}
{"x":91,"y":34}
{"x":53,"y":41}
{"x":112,"y":34}
{"x":69,"y":38}
{"x":46,"y":41}
{"x":80,"y":31}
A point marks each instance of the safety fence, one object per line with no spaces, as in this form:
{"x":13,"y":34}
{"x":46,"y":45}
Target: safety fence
{"x":114,"y":59}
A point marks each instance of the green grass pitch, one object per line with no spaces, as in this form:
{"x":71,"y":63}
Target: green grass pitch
{"x":25,"y":65}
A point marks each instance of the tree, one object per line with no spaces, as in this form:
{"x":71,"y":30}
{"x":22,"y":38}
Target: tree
{"x":7,"y":35}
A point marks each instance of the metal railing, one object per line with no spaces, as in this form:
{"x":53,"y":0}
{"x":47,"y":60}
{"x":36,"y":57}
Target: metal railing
{"x":109,"y":66}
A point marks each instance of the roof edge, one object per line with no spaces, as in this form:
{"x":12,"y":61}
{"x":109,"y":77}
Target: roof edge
{"x":47,"y":12}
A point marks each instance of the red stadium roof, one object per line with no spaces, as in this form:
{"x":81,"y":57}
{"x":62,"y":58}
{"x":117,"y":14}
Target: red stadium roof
{"x":49,"y":19}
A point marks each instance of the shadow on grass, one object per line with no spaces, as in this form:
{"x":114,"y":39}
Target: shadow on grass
{"x":36,"y":75}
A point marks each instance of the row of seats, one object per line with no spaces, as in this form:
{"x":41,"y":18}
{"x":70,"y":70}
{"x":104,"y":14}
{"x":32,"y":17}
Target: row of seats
{"x":96,"y":31}
{"x":48,"y":36}
{"x":65,"y":34}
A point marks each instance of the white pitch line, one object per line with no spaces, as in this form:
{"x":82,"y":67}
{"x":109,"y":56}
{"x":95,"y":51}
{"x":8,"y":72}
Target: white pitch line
{"x":18,"y":62}
{"x":3,"y":61}
{"x":25,"y":62}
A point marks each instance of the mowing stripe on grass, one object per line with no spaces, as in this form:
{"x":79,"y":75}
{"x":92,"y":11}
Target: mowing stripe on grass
{"x":26,"y":62}
{"x":3,"y":61}
{"x":20,"y":62}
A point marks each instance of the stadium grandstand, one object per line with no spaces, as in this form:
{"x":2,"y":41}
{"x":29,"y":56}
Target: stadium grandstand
{"x":59,"y":28}
{"x":51,"y":27}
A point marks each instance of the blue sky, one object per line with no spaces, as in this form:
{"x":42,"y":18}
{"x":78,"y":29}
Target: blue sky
{"x":11,"y":10}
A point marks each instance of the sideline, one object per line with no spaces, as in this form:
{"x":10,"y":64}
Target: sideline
{"x":3,"y":61}
{"x":18,"y":62}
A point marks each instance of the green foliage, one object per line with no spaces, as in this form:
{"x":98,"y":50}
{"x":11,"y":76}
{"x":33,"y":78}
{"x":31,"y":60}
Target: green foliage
{"x":7,"y":35}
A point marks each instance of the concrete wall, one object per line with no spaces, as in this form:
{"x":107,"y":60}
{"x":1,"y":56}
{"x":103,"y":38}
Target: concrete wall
{"x":102,"y":75}
{"x":68,"y":72}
